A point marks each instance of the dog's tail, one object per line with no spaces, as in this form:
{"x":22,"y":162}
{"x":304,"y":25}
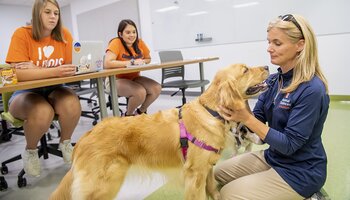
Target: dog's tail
{"x":63,"y":191}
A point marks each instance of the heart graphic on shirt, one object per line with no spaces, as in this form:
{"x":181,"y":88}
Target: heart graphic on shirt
{"x":48,"y":50}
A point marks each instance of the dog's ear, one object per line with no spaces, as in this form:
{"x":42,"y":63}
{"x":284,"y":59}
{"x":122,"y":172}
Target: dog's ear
{"x":229,"y":95}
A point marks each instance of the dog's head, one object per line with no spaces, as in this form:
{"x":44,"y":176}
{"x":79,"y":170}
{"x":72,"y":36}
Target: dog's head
{"x":237,"y":83}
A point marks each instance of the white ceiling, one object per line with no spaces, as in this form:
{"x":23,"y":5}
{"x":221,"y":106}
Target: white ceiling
{"x":30,"y":2}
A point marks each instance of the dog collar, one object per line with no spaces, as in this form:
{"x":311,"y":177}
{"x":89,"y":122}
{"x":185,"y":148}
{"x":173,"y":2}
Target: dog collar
{"x":215,"y":114}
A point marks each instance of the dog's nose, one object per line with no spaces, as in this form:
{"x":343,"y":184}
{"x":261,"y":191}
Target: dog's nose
{"x":266,"y":68}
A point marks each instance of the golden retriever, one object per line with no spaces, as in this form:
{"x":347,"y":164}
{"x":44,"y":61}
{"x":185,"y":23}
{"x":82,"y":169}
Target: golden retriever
{"x":102,"y":157}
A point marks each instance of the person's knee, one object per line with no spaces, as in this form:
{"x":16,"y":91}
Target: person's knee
{"x":69,"y":106}
{"x":157,"y":89}
{"x":140,"y":94}
{"x":225,"y":193}
{"x":41,"y":115}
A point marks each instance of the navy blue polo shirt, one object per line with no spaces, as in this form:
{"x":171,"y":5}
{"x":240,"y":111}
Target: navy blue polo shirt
{"x":296,"y":121}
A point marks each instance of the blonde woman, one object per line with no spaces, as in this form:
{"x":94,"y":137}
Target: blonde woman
{"x":289,"y":117}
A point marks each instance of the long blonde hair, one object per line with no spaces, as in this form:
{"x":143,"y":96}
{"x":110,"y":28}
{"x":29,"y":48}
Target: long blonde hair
{"x":307,"y":65}
{"x":37,"y":23}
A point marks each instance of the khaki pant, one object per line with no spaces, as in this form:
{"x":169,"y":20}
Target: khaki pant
{"x":249,"y":177}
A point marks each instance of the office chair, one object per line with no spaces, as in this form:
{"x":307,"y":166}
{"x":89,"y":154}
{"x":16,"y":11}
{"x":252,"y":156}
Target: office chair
{"x":78,"y":88}
{"x":44,"y":148}
{"x":7,"y":132}
{"x":109,"y":102}
{"x":177,"y":73}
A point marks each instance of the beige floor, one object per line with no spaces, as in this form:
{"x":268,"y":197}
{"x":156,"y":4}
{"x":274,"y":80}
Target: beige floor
{"x":155,"y":186}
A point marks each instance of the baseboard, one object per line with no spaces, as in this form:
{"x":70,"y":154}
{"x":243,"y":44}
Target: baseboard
{"x":339,"y":97}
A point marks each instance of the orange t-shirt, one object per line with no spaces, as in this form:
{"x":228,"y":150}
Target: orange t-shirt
{"x":116,"y":46}
{"x":44,"y":53}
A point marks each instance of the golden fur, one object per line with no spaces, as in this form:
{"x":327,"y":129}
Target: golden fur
{"x":102,"y":157}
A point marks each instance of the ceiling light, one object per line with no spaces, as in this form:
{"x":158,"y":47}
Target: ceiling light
{"x":197,"y":13}
{"x":166,"y":9}
{"x":246,"y":4}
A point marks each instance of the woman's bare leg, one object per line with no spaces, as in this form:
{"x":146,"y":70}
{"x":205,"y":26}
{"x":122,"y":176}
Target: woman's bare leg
{"x":37,"y":114}
{"x":67,"y":106}
{"x":153,"y":90}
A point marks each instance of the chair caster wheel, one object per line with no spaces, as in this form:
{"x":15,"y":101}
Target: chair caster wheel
{"x":3,"y":184}
{"x":21,"y":182}
{"x":6,"y":137}
{"x":94,"y":123}
{"x":4,"y":170}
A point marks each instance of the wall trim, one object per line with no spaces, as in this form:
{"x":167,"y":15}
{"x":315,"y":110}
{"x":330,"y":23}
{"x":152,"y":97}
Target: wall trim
{"x":339,"y":97}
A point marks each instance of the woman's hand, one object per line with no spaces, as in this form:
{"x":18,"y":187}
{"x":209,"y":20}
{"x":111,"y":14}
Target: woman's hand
{"x":139,"y":62}
{"x":66,"y":70}
{"x":236,"y":115}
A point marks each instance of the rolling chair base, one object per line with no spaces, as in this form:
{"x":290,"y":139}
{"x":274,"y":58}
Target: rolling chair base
{"x":44,"y":150}
{"x":3,"y":183}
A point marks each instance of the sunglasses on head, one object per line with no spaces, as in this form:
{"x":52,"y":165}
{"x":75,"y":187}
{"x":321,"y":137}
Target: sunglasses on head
{"x":290,"y":18}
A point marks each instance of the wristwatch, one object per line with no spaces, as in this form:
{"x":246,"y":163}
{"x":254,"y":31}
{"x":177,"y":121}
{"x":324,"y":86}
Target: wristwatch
{"x":132,"y":61}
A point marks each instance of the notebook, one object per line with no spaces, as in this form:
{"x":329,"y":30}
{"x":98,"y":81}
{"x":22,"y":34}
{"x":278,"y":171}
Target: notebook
{"x":87,"y":56}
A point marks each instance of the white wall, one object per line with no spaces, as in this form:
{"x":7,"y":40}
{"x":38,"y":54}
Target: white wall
{"x":333,"y":48}
{"x":80,"y":6}
{"x":333,"y":52}
{"x":11,"y":17}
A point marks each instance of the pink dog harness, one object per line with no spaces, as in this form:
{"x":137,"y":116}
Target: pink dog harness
{"x":185,"y":136}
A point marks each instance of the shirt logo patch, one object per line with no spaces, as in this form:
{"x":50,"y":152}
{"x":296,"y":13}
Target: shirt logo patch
{"x":285,"y":102}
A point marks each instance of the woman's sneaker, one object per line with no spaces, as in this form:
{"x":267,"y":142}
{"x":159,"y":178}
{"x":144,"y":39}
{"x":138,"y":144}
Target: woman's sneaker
{"x":31,"y":162}
{"x":67,"y":150}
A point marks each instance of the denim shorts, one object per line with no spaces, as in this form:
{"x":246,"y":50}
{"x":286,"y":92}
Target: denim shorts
{"x":43,"y":91}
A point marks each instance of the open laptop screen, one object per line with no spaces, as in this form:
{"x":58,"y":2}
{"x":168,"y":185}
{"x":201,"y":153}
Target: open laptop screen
{"x":87,"y":56}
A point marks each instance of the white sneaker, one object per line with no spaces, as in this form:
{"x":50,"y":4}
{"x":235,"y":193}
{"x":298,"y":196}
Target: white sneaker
{"x":67,"y":150}
{"x":31,"y":162}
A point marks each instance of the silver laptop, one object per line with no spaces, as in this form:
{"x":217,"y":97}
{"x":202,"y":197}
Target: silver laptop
{"x":87,"y":56}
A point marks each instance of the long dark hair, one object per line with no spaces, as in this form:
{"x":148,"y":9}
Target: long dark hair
{"x":135,"y":45}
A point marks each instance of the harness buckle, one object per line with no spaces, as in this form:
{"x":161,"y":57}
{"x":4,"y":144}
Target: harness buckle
{"x":183,"y":142}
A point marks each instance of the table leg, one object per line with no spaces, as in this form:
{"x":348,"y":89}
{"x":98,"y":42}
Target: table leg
{"x":114,"y":96}
{"x":101,"y":98}
{"x":201,"y":74}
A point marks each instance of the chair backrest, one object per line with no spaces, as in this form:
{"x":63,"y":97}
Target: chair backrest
{"x":171,"y":72}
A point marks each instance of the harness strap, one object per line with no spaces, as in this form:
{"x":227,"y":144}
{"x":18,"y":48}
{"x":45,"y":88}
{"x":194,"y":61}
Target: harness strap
{"x":183,"y":139}
{"x":185,"y":136}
